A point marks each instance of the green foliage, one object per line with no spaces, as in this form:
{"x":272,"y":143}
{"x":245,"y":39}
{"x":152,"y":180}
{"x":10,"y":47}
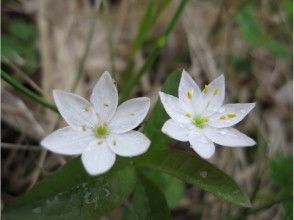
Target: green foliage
{"x":153,"y":126}
{"x":72,"y":194}
{"x":195,"y":170}
{"x":148,"y":201}
{"x":250,"y":30}
{"x":172,"y":187}
{"x":18,"y":44}
{"x":281,"y":172}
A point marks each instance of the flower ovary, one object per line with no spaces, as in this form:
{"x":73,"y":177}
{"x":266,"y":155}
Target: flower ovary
{"x":200,"y":121}
{"x":101,"y":131}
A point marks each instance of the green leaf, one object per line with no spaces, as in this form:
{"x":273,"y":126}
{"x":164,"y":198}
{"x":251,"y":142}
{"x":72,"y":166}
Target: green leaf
{"x":72,"y":194}
{"x":26,"y":32}
{"x":148,"y":201}
{"x":172,"y":187}
{"x":249,"y":27}
{"x":193,"y":169}
{"x":250,"y":30}
{"x":276,"y":48}
{"x":153,"y":126}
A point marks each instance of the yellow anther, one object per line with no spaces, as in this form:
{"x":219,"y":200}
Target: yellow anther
{"x":222,"y":117}
{"x":215,"y":93}
{"x":114,"y":142}
{"x":231,"y":115}
{"x":205,"y":89}
{"x":189,"y":95}
{"x":188,"y":115}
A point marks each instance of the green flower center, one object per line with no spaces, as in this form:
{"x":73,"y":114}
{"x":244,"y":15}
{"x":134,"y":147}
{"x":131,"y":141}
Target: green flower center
{"x":200,"y":121}
{"x":101,"y":131}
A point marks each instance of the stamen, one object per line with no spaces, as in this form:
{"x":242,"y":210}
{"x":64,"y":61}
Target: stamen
{"x":114,"y":142}
{"x":206,"y":88}
{"x":231,"y":115}
{"x":215,"y":93}
{"x":189,"y":95}
{"x":132,"y":114}
{"x":222,"y":117}
{"x":188,"y":115}
{"x":105,"y":104}
{"x":86,"y":109}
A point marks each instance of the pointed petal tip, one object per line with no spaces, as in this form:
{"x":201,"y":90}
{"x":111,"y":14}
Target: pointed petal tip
{"x":184,"y":72}
{"x":106,"y":73}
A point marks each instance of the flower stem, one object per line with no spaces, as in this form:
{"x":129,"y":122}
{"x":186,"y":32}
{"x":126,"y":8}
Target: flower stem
{"x":162,"y":41}
{"x":37,"y":98}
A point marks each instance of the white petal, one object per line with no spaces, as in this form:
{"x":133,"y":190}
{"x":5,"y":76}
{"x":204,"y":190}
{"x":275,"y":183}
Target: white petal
{"x":129,"y":144}
{"x":104,"y":98}
{"x":67,"y":141}
{"x":230,"y":137}
{"x":189,"y":92}
{"x":97,"y":158}
{"x":75,"y":110}
{"x":230,"y":114}
{"x":201,"y":145}
{"x":176,"y":130}
{"x":214,"y":95}
{"x":173,"y":107}
{"x":129,"y":114}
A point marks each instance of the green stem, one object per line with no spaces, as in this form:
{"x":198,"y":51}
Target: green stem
{"x":154,"y":53}
{"x":39,"y":99}
{"x":86,"y":52}
{"x":109,"y":36}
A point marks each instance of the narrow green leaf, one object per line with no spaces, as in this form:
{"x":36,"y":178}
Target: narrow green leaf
{"x":148,"y":201}
{"x":72,"y":194}
{"x":25,"y":91}
{"x":193,"y":169}
{"x":158,"y":116}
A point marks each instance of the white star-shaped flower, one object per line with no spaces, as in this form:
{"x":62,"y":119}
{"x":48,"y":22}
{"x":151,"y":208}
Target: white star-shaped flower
{"x":201,"y":117}
{"x":99,"y":130}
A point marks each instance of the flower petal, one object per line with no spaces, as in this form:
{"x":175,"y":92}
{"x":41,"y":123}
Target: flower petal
{"x":97,"y":158}
{"x":230,"y":114}
{"x":189,"y":92}
{"x":201,"y":145}
{"x":104,"y":98}
{"x":129,"y":144}
{"x":67,"y":141}
{"x":173,"y":107}
{"x":176,"y":130}
{"x":75,"y":110}
{"x":214,"y":95}
{"x":230,"y":137}
{"x":129,"y":115}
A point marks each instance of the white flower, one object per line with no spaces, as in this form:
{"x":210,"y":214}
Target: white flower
{"x":99,"y":130}
{"x":201,"y":117}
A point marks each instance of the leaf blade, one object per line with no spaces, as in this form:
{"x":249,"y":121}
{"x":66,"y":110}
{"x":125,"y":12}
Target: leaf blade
{"x":195,"y":170}
{"x":72,"y":194}
{"x":148,"y":201}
